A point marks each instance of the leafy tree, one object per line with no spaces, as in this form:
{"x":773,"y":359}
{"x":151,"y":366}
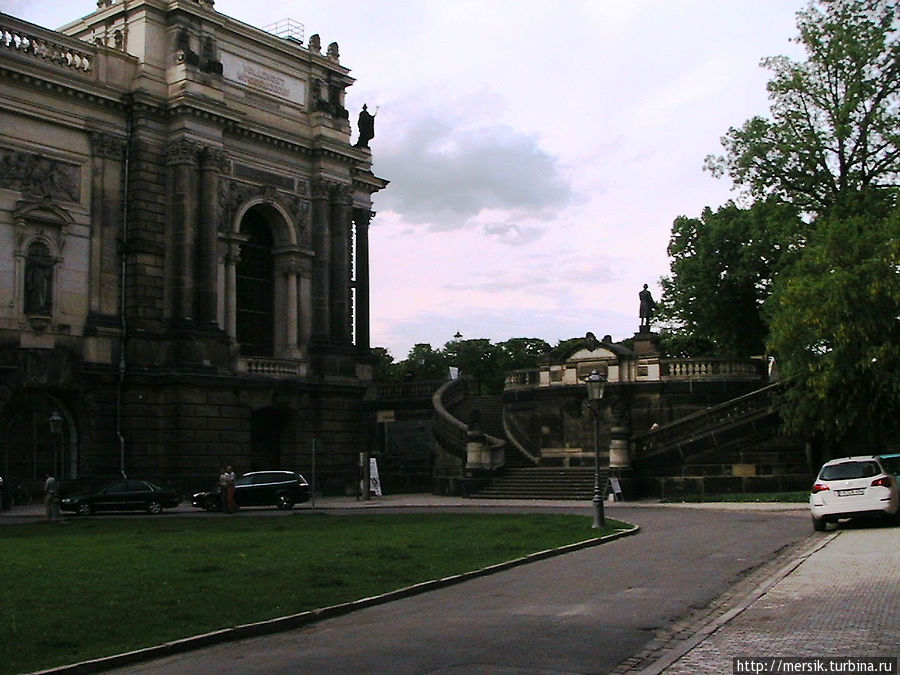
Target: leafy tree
{"x":835,"y":321}
{"x":478,"y":359}
{"x":425,"y":363}
{"x":832,"y":139}
{"x":385,"y":367}
{"x":519,"y":353}
{"x":722,"y":266}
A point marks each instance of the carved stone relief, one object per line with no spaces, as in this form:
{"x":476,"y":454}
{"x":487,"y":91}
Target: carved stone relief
{"x":39,"y":177}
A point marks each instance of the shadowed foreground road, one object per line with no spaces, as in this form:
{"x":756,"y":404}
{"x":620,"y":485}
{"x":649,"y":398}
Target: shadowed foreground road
{"x":583,"y":612}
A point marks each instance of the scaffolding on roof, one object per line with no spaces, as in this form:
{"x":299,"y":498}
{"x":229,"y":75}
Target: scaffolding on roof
{"x":289,"y":29}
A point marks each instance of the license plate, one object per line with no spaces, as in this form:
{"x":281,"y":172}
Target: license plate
{"x":851,"y":493}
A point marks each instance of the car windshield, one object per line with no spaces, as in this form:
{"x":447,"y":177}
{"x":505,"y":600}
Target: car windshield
{"x":847,"y":470}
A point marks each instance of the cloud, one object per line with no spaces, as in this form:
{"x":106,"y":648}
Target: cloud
{"x":448,"y":176}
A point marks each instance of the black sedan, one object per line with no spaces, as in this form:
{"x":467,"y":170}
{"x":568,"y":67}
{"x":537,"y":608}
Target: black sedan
{"x":122,"y":495}
{"x":259,"y":488}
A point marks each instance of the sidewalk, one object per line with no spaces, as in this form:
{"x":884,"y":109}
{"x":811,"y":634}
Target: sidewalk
{"x":419,"y":500}
{"x":837,"y":597}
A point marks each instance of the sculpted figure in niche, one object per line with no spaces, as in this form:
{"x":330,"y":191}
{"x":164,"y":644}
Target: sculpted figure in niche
{"x":648,"y":304}
{"x":366,"y":124}
{"x":38,"y":280}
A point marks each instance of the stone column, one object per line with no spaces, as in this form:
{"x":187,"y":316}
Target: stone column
{"x":362,"y":217}
{"x":321,"y":273}
{"x":207,"y":240}
{"x":306,"y":295}
{"x":232,"y":258}
{"x":340,"y":266}
{"x":108,"y":156}
{"x":182,"y":160}
{"x":290,"y":279}
{"x":619,"y":432}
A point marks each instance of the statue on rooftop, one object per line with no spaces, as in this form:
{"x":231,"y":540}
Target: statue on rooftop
{"x":366,"y":124}
{"x":648,"y":305}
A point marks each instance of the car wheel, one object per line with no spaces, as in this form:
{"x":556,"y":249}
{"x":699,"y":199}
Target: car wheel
{"x":154,"y":507}
{"x":819,"y":524}
{"x":211,"y":504}
{"x":85,"y":509}
{"x":285,"y":502}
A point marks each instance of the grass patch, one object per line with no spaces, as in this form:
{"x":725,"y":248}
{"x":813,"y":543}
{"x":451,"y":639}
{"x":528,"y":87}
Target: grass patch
{"x":763,"y":497}
{"x":91,"y":587}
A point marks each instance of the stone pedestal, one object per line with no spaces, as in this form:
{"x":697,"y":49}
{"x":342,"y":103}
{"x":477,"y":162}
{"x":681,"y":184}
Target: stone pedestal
{"x":646,"y":342}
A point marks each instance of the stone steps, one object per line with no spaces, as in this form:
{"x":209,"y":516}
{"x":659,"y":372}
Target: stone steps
{"x":541,"y":483}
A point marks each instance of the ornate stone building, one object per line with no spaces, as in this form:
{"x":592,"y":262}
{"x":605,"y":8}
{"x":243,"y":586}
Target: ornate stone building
{"x":183,"y":249}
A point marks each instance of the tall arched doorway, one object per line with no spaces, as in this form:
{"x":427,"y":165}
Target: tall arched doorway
{"x":256,"y":288}
{"x":37,"y":436}
{"x":266,"y":426}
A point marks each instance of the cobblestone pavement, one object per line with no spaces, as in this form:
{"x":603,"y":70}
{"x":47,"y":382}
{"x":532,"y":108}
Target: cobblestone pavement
{"x":834,"y":595}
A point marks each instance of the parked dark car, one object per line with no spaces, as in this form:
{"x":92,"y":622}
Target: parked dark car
{"x":259,"y":488}
{"x":122,"y":495}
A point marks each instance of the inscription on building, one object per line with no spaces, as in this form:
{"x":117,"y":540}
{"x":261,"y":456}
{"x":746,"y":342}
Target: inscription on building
{"x":260,"y":78}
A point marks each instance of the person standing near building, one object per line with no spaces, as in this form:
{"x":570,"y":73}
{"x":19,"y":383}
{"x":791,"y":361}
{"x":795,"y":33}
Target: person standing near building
{"x":229,"y":490}
{"x":49,"y":495}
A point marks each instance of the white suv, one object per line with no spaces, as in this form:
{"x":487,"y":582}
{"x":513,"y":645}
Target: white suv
{"x":852,"y":487}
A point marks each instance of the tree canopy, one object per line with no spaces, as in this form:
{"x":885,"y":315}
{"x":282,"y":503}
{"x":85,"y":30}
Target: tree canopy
{"x":722,"y":268}
{"x":832,"y":138}
{"x":812,"y":268}
{"x":485,"y":362}
{"x":835,"y":328}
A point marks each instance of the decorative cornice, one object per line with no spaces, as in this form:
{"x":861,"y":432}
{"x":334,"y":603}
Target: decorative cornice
{"x":119,"y":103}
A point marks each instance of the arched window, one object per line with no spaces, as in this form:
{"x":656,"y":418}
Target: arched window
{"x":38,"y":279}
{"x":255,"y":289}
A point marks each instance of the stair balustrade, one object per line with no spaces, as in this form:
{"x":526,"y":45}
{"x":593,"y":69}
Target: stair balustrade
{"x":686,"y":431}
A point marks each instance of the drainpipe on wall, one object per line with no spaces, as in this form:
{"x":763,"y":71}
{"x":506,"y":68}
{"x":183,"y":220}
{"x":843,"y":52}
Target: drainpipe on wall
{"x":123,"y":252}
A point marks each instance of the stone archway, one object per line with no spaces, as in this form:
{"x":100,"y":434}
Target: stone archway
{"x":37,"y":436}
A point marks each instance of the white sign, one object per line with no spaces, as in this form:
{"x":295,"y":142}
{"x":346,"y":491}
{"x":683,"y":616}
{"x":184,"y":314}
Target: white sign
{"x":615,"y":489}
{"x":264,"y":79}
{"x":374,"y":482}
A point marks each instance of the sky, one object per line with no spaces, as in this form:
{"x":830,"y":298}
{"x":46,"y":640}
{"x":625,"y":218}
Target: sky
{"x":538,"y":151}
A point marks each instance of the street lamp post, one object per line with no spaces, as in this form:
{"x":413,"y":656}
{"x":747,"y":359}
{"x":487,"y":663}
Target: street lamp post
{"x":55,"y":422}
{"x":596,"y":384}
{"x":56,"y":427}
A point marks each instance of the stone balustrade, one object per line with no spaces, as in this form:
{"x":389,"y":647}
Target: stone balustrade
{"x":698,"y":369}
{"x":27,"y":39}
{"x":271,"y":367}
{"x":643,"y":370}
{"x":407,"y":390}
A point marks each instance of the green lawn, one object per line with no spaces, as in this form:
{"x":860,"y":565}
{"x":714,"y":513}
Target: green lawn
{"x":89,"y":587}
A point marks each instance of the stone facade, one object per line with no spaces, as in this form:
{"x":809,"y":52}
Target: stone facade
{"x":183,"y":249}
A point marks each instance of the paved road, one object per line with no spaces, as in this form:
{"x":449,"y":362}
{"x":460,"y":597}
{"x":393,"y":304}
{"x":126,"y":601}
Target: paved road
{"x":583,"y":612}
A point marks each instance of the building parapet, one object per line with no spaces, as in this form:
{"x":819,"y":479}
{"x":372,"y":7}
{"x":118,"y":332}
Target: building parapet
{"x":639,"y":370}
{"x":697,"y":369}
{"x":76,"y":58}
{"x":45,"y":45}
{"x":271,"y":367}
